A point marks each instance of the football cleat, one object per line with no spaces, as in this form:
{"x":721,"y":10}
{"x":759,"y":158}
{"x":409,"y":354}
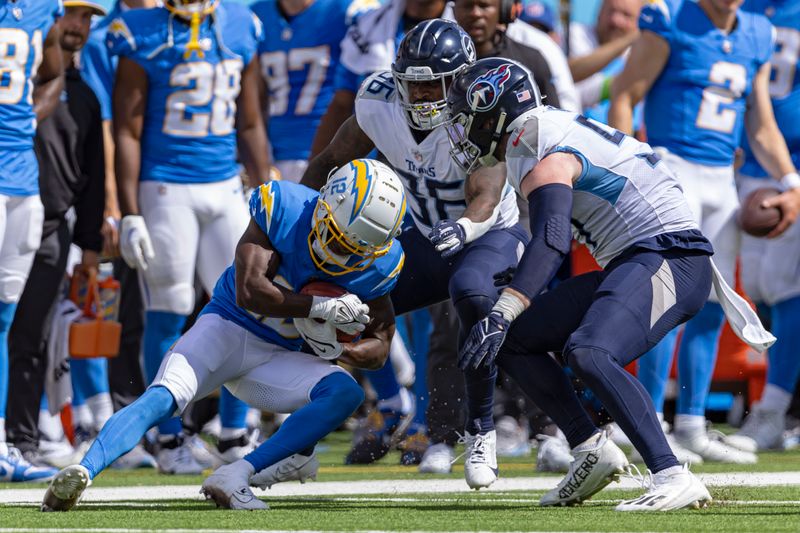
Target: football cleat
{"x":437,"y":459}
{"x":229,"y":487}
{"x":683,"y":455}
{"x":553,"y":454}
{"x":136,"y":458}
{"x":715,"y":449}
{"x":617,"y":435}
{"x":480,"y":464}
{"x":677,"y":489}
{"x":598,"y":462}
{"x":57,"y":454}
{"x":176,"y":457}
{"x":230,"y":450}
{"x":66,"y":489}
{"x":762,"y":430}
{"x":296,"y":467}
{"x":15,"y":468}
{"x":379,"y":432}
{"x":413,"y":448}
{"x":512,"y":438}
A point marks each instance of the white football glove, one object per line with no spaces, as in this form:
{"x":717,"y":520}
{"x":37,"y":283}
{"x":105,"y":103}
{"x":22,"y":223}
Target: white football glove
{"x":134,"y":242}
{"x":321,"y":336}
{"x":347,"y":313}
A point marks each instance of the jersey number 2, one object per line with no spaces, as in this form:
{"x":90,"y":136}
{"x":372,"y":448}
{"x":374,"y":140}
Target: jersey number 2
{"x":275,"y":67}
{"x":219,"y":85}
{"x":711,"y":115}
{"x":14,"y":51}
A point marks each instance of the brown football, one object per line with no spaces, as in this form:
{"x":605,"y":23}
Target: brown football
{"x":756,"y":220}
{"x":331,"y":290}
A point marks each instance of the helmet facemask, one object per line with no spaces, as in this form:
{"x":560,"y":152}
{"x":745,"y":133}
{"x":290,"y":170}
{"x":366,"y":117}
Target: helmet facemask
{"x":472,"y":146}
{"x":423,"y":115}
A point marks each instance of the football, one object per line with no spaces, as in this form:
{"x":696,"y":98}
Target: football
{"x":756,"y":220}
{"x":331,"y":290}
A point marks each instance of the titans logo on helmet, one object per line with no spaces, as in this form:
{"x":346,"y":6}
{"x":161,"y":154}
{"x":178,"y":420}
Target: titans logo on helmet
{"x":484,"y":92}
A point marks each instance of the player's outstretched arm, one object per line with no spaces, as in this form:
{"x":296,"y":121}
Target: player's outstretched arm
{"x":251,"y":133}
{"x":371,"y":351}
{"x":770,"y":150}
{"x":256,"y":262}
{"x":50,"y":77}
{"x":349,"y":143}
{"x":645,"y":62}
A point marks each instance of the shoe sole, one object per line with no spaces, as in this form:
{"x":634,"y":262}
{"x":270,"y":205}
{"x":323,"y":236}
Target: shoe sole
{"x":604,"y":482}
{"x":61,"y":484}
{"x":697,"y":503}
{"x":222,"y":500}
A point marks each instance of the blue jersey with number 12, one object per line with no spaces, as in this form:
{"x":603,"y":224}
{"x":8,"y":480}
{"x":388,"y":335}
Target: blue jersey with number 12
{"x":188,"y":134}
{"x":784,"y":84}
{"x":283,"y":211}
{"x":696,"y":107}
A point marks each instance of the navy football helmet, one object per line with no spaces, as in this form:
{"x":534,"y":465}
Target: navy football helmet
{"x":483,"y":102}
{"x":434,"y":50}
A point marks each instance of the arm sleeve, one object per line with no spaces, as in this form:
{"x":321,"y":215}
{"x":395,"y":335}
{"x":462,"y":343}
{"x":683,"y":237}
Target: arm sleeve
{"x":92,"y":199}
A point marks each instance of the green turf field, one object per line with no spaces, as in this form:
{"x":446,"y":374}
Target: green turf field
{"x":736,"y":508}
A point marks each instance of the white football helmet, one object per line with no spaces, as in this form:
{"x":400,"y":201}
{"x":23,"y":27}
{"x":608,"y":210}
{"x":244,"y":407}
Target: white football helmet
{"x":359,"y":211}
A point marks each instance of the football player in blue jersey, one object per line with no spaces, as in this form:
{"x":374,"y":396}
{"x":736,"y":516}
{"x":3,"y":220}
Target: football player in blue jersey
{"x":769,"y":266}
{"x":704,"y":68}
{"x":620,"y":199}
{"x":30,"y":86}
{"x":249,"y":336}
{"x":186,"y":96}
{"x":299,"y":56}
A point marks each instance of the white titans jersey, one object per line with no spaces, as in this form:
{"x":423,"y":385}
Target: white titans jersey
{"x":624,"y":194}
{"x":434,"y":182}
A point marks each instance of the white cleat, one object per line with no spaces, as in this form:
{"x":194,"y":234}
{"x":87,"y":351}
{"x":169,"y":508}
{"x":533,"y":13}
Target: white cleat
{"x":683,"y":455}
{"x":178,"y":460}
{"x":66,"y":489}
{"x":677,"y":489}
{"x":616,"y":434}
{"x":232,"y":450}
{"x":294,"y":468}
{"x":598,"y":462}
{"x":513,"y":439}
{"x":229,"y":487}
{"x":553,"y":455}
{"x":762,"y":430}
{"x":136,"y":458}
{"x":437,"y":459}
{"x":480,"y":464}
{"x":714,"y":450}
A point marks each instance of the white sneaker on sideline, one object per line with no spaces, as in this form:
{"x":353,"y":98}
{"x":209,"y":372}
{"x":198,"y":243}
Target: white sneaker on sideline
{"x":59,"y":454}
{"x":598,"y":462}
{"x":554,"y":454}
{"x":437,"y":459}
{"x":480,"y":463}
{"x":762,"y":430}
{"x":713,"y":450}
{"x":294,"y":468}
{"x":136,"y":458}
{"x":229,"y":487}
{"x":202,"y":453}
{"x":669,"y":491}
{"x":513,"y":439}
{"x":178,"y":460}
{"x":683,"y":455}
{"x":66,"y":489}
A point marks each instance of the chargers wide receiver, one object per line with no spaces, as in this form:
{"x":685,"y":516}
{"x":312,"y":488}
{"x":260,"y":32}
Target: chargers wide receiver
{"x":186,"y":94}
{"x":30,"y":85}
{"x":624,"y":203}
{"x":250,"y":335}
{"x":299,"y":56}
{"x":455,"y":249}
{"x":704,"y":68}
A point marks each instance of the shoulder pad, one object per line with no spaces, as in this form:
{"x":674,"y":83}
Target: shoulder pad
{"x":379,"y":86}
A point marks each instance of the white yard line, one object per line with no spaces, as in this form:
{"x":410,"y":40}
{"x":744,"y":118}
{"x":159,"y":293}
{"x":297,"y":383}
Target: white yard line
{"x":406,"y":486}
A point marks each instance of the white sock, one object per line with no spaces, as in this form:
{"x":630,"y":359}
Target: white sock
{"x":82,"y":416}
{"x":775,"y":399}
{"x":399,"y":403}
{"x":101,"y":409}
{"x":50,"y":427}
{"x":591,"y":441}
{"x":660,"y":417}
{"x":690,"y":424}
{"x":231,"y":433}
{"x":253,"y":418}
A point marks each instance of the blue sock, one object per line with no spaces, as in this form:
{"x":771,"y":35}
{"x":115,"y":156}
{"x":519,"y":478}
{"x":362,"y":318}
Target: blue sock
{"x":696,"y":358}
{"x":89,"y":377}
{"x":6,"y":318}
{"x":783,"y":369}
{"x":232,"y":411}
{"x":654,"y":366}
{"x":161,"y":331}
{"x":333,"y":399}
{"x":383,"y":381}
{"x":124,"y":430}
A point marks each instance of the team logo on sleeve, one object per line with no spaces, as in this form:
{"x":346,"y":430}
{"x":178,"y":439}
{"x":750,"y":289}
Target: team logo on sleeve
{"x":484,"y":92}
{"x":119,"y":30}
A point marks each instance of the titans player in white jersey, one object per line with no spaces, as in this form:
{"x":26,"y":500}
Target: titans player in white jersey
{"x":769,"y":266}
{"x":704,"y":69}
{"x":186,"y":95}
{"x":624,"y":203}
{"x":454,"y":250}
{"x":249,"y":336}
{"x":30,"y":85}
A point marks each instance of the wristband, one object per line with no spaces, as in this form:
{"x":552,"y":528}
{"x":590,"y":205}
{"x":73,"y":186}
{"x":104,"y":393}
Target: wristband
{"x":509,"y":306}
{"x":791,"y":180}
{"x":473,"y":230}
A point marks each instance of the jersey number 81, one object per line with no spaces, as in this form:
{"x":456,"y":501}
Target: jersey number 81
{"x":216,"y":84}
{"x":14,"y":51}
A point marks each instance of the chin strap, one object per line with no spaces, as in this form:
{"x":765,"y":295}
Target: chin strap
{"x":194,"y":38}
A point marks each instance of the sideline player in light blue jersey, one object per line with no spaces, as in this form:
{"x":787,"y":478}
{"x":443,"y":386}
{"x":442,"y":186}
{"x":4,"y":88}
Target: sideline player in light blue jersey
{"x":769,"y":267}
{"x":249,"y":336}
{"x":186,"y":94}
{"x":30,"y":85}
{"x":299,"y":57}
{"x":704,"y":68}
